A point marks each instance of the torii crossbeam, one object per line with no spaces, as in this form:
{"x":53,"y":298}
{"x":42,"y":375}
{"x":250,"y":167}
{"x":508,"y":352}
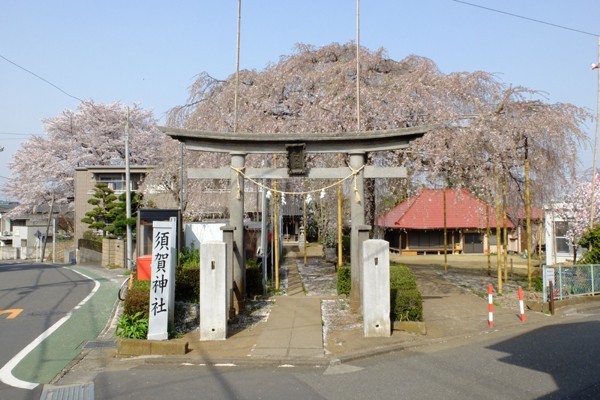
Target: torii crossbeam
{"x":238,"y":145}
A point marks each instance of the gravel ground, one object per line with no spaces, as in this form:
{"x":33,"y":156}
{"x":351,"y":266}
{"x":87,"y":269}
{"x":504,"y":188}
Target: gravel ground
{"x":477,"y":282}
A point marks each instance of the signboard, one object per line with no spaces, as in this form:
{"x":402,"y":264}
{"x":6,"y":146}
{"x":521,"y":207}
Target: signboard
{"x":162,"y":280}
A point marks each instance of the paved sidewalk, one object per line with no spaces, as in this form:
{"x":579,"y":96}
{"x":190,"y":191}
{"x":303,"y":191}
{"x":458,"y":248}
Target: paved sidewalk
{"x":293,"y":332}
{"x":294,"y":327}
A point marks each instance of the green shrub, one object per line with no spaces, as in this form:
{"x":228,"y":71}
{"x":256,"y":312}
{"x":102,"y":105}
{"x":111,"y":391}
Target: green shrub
{"x":406,"y":303}
{"x":189,"y":258}
{"x":344,"y":282}
{"x":254,"y":285}
{"x":138,"y":299}
{"x":187,"y":276}
{"x":402,"y":277}
{"x":187,"y":284}
{"x":132,"y":326}
{"x":537,"y":283}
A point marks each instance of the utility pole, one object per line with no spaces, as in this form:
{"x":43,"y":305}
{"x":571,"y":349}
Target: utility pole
{"x":528,"y":215}
{"x":47,"y":228}
{"x":128,"y":197}
{"x":53,"y":239}
{"x":276,"y":232}
{"x":358,"y":65}
{"x":593,"y":205}
{"x":237,"y":68}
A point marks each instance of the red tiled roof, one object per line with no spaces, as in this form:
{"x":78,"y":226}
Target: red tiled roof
{"x":426,"y":211}
{"x":519,"y":214}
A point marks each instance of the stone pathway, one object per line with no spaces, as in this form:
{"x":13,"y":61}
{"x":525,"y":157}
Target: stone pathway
{"x":294,"y":327}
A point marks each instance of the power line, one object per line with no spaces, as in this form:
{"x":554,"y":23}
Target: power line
{"x":40,"y":78}
{"x":527,"y":18}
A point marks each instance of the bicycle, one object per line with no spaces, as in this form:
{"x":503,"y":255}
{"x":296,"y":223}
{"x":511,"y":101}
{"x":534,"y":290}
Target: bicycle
{"x":127,"y":283}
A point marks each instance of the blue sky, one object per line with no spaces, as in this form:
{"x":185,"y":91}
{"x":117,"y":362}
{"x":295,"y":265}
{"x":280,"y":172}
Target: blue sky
{"x":149,"y":51}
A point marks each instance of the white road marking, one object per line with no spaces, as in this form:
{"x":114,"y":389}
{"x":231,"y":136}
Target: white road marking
{"x":6,"y":375}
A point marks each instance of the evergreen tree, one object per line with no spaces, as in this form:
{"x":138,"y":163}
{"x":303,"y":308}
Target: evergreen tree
{"x":102,"y":216}
{"x":119,"y":214}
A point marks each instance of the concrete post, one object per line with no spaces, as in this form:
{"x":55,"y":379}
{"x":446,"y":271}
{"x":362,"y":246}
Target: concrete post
{"x":375,"y":279}
{"x":213,"y":294}
{"x":228,"y":239}
{"x":357,"y":216}
{"x":236,"y":219}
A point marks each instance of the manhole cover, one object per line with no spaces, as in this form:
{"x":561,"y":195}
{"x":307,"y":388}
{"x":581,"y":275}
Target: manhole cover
{"x":83,"y":391}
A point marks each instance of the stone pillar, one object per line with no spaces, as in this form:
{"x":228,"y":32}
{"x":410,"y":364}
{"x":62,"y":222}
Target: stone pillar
{"x":213,"y":293}
{"x":375,"y":280}
{"x":228,"y":239}
{"x":236,"y":220}
{"x":357,"y":216}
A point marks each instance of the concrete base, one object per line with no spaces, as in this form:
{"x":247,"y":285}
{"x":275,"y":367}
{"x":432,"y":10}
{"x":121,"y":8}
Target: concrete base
{"x":410,"y":326}
{"x":559,"y":304}
{"x":138,"y":347}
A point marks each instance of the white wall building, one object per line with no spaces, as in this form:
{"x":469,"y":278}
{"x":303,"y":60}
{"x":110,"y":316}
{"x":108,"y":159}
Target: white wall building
{"x":559,"y":248}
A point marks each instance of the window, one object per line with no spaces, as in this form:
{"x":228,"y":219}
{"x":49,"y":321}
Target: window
{"x":115,"y":182}
{"x":560,"y":231}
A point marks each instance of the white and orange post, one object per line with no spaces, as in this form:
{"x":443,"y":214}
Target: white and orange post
{"x":521,"y":305}
{"x":490,"y":306}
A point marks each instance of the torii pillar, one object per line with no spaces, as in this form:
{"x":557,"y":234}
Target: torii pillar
{"x":357,"y":217}
{"x":236,"y":220}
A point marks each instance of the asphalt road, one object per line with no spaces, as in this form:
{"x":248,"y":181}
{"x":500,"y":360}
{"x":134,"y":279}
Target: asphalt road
{"x":550,"y":362}
{"x":33,"y":298}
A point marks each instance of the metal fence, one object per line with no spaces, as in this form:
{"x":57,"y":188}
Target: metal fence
{"x":571,"y":280}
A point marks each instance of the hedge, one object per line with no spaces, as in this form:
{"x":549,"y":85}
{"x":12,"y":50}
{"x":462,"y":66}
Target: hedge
{"x":406,"y":303}
{"x":344,"y":283}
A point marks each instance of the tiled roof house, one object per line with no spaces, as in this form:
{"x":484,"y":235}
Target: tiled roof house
{"x":417,"y":224}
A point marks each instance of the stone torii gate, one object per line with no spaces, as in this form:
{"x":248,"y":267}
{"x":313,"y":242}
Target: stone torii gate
{"x":238,"y":145}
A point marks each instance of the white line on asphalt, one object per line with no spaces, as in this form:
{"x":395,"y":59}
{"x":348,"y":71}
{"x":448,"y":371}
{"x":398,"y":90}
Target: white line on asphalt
{"x":6,"y":375}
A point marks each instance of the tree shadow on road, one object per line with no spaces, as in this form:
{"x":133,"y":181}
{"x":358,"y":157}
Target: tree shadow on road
{"x":569,"y":353}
